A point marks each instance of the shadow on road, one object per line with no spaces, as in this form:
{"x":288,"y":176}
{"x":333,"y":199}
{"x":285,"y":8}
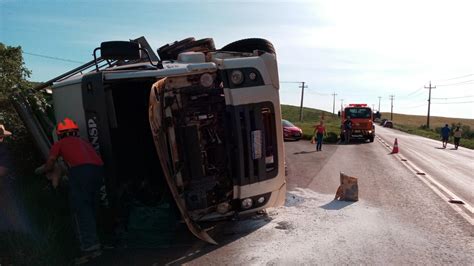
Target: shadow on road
{"x":336,"y":205}
{"x":354,"y":142}
{"x":186,"y":247}
{"x":303,"y":152}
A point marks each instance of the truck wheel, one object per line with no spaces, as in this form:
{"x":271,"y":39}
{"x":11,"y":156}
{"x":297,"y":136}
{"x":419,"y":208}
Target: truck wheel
{"x":342,"y":138}
{"x":168,"y":51}
{"x":249,"y":45}
{"x":171,"y":51}
{"x":371,"y":139}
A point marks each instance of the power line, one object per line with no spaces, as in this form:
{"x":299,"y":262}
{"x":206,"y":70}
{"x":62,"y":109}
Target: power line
{"x":468,"y":75}
{"x":414,"y":92}
{"x":447,"y":98}
{"x":455,"y":102}
{"x":54,"y":58}
{"x":410,"y":107}
{"x":462,"y":82}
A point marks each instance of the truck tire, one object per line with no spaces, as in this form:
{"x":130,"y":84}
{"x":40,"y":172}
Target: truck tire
{"x":371,"y":139}
{"x":167,"y":51}
{"x":171,"y":51}
{"x":249,"y":45}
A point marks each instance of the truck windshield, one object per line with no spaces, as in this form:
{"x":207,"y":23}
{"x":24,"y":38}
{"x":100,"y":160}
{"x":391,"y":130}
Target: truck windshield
{"x":358,"y":112}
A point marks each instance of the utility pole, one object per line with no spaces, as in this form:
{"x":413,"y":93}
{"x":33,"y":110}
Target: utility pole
{"x":302,"y":86}
{"x":429,"y":103}
{"x":333,"y":101}
{"x":391,"y":110}
{"x":302,"y":95}
{"x":379,"y":103}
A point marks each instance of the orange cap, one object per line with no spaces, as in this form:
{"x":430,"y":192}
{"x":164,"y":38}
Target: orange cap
{"x":66,"y":125}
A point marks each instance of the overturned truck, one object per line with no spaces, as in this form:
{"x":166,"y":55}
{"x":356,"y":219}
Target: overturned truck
{"x":201,"y":124}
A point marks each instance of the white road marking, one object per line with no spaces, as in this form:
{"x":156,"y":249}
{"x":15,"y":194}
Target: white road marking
{"x":465,"y":210}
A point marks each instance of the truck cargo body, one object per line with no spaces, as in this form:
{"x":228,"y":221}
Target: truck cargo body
{"x":218,"y":148}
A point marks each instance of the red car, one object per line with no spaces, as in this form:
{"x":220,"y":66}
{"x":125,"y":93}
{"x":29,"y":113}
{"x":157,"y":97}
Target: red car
{"x":290,"y":131}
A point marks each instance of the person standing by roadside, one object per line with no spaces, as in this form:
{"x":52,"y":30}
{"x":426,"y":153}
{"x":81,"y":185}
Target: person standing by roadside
{"x":457,"y":137}
{"x":5,"y":208}
{"x":445,"y":135}
{"x":347,"y":130}
{"x":85,"y":179}
{"x":4,"y":155}
{"x":319,"y":131}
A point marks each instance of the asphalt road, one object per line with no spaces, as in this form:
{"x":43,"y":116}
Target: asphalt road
{"x":399,"y":218}
{"x":453,"y":169}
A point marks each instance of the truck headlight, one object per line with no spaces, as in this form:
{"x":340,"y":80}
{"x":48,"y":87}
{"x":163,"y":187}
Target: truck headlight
{"x":247,"y":203}
{"x":206,"y":80}
{"x":252,"y":76}
{"x":237,"y":77}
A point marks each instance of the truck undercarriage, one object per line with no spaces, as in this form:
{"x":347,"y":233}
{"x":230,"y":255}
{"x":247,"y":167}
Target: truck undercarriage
{"x":167,"y":130}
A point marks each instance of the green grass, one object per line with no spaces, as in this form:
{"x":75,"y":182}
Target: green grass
{"x":312,"y":117}
{"x":412,"y":124}
{"x":416,"y":125}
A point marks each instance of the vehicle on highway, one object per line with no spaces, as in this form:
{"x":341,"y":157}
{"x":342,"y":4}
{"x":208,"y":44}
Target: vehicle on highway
{"x":200,"y":124}
{"x":362,"y":124}
{"x":290,"y":131}
{"x":388,"y":124}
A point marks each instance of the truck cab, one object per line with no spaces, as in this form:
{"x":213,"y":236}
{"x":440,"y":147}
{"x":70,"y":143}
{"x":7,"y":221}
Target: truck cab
{"x":362,"y":121}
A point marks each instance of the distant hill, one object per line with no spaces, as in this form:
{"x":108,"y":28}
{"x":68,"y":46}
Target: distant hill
{"x":413,"y":124}
{"x":310,"y":115}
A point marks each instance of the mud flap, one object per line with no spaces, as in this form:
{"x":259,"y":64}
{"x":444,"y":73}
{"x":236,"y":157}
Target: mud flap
{"x":158,"y":129}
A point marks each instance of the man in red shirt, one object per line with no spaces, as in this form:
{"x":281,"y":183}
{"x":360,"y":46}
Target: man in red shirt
{"x":319,"y":130}
{"x":85,"y":179}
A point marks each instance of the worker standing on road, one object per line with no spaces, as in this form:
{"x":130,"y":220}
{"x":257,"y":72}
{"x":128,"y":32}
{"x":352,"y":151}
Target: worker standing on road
{"x":347,"y":130}
{"x":457,"y":137}
{"x":85,"y":179}
{"x":445,"y":135}
{"x":319,"y":131}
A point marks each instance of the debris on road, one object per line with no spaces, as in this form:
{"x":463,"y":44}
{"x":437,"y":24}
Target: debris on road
{"x":456,"y":201}
{"x":349,"y":189}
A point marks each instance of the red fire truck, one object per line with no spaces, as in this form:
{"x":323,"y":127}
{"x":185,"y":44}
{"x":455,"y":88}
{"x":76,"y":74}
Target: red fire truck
{"x":362,"y":124}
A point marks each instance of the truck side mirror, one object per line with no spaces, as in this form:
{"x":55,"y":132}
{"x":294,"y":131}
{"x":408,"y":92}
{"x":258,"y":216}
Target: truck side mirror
{"x":120,"y":50}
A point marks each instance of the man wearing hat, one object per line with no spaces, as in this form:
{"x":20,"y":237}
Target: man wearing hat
{"x":85,"y":179}
{"x":4,"y":157}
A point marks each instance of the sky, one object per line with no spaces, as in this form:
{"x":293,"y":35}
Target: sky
{"x":360,"y":50}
